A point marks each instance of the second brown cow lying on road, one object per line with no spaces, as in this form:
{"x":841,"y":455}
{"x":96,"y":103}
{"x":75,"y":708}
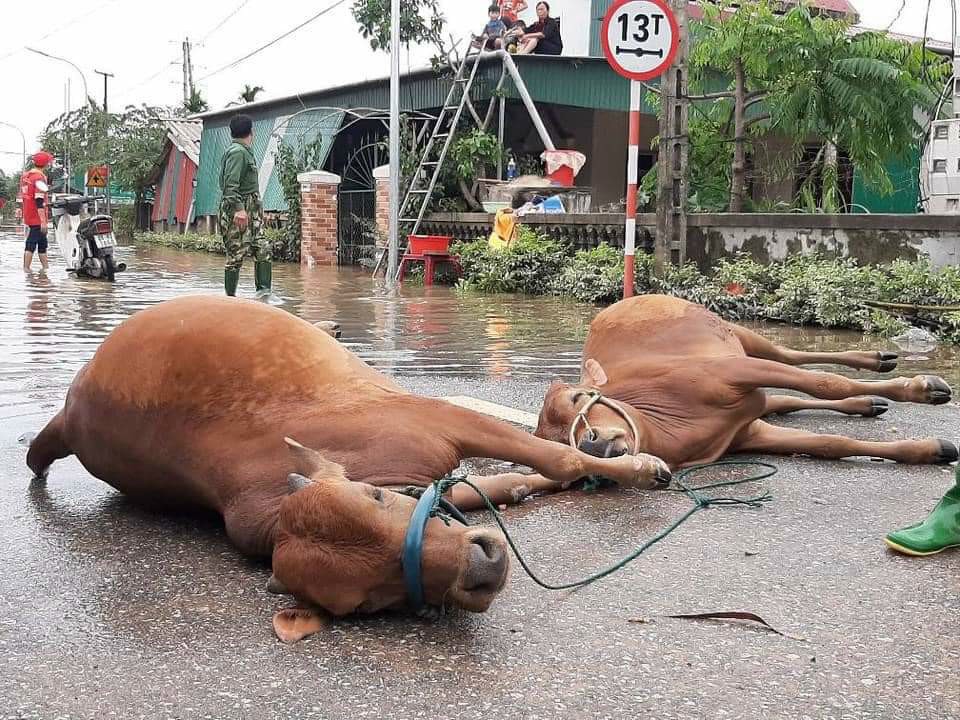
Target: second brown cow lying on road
{"x":666,"y":377}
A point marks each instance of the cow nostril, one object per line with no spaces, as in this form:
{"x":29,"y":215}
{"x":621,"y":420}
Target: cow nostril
{"x":593,"y":435}
{"x":490,"y":549}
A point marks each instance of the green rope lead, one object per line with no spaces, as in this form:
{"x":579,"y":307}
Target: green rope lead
{"x":700,"y":502}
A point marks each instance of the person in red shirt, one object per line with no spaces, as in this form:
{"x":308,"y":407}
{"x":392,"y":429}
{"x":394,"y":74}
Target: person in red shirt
{"x":510,"y":10}
{"x":33,"y":190}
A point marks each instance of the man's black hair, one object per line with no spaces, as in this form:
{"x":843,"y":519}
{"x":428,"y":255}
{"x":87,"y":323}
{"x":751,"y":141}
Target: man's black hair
{"x":240,"y":126}
{"x":494,"y":8}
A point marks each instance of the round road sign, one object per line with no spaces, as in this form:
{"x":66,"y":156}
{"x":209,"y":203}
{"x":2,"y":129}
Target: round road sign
{"x":640,"y":38}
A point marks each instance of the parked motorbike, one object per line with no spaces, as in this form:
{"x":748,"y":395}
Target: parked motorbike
{"x":86,"y":241}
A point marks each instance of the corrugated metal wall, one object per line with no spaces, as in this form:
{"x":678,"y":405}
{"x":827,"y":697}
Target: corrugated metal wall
{"x":906,"y":183}
{"x":302,"y":130}
{"x":175,"y":190}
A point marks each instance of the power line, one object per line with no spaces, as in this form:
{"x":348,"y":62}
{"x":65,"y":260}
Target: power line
{"x":274,"y":41}
{"x":896,"y":18}
{"x":227,"y":19}
{"x":69,"y":23}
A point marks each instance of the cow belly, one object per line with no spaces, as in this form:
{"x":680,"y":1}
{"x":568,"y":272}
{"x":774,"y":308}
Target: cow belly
{"x":652,"y":326}
{"x":147,"y":456}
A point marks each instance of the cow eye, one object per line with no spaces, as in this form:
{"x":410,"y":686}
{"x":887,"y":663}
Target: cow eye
{"x":377,"y":494}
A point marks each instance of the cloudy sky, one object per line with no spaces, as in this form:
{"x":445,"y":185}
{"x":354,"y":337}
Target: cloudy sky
{"x":140,"y":43}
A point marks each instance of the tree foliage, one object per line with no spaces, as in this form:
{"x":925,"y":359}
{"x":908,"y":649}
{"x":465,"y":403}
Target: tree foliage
{"x":757,"y":73}
{"x":196,"y":103}
{"x":421,"y":21}
{"x":249,"y":94}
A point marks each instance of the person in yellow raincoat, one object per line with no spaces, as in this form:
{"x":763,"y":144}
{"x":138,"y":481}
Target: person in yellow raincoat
{"x":504,"y":229}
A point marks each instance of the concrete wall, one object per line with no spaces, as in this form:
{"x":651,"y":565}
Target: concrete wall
{"x":875,"y":239}
{"x":867,"y":238}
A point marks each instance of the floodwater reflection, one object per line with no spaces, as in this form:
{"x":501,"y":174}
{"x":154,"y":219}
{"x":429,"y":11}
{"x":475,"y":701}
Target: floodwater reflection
{"x":51,"y":324}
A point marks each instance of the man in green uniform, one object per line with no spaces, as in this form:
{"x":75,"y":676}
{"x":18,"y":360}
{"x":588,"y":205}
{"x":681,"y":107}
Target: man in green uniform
{"x":241,"y":213}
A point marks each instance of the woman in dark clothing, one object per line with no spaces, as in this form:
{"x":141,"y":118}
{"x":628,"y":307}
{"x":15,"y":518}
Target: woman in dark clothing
{"x":543,"y":37}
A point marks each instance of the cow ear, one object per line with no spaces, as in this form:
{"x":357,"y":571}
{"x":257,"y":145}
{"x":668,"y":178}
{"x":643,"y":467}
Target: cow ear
{"x":593,"y":374}
{"x":294,"y":624}
{"x":312,"y":464}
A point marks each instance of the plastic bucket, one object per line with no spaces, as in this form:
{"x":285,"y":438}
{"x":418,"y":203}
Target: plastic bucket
{"x":436,"y":244}
{"x":562,"y":176}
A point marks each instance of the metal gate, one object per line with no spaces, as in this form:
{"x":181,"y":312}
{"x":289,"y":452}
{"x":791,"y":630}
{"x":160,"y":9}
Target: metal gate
{"x":357,"y":205}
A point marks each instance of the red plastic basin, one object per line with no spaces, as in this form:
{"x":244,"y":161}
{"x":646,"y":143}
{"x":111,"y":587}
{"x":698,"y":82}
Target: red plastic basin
{"x":436,"y":244}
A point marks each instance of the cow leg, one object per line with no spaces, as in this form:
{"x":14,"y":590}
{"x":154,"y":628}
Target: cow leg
{"x":49,"y":445}
{"x":750,"y":374}
{"x":864,"y":406}
{"x":763,"y":438}
{"x":757,"y":346}
{"x":506,"y":489}
{"x":484,"y":437}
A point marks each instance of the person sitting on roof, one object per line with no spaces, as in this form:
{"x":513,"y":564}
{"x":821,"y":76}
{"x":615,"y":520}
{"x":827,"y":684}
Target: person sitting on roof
{"x":510,"y":11}
{"x":494,"y":30}
{"x":543,"y":37}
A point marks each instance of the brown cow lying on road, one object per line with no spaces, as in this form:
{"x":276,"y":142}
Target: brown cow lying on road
{"x":671,"y":378}
{"x":187,"y":405}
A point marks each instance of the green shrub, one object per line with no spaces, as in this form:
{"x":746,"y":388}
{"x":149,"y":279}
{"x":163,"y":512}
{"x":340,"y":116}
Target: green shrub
{"x":531,"y":265}
{"x":187,"y":241}
{"x":124,"y":221}
{"x":802,"y":290}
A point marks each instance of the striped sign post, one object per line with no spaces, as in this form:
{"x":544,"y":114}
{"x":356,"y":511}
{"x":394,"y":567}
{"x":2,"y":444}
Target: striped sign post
{"x":633,"y":169}
{"x":640,"y":40}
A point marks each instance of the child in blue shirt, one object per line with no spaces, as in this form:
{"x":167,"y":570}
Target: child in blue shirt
{"x":495,"y":29}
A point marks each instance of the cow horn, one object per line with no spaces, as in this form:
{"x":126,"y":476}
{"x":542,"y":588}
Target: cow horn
{"x":297,"y":482}
{"x":276,"y":587}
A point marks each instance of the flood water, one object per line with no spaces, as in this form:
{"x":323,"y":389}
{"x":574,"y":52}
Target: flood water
{"x":52,"y":323}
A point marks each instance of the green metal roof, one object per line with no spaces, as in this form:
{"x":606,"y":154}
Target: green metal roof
{"x":577,"y":82}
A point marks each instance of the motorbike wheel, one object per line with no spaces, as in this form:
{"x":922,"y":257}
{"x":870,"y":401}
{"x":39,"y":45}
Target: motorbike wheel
{"x":109,"y":267}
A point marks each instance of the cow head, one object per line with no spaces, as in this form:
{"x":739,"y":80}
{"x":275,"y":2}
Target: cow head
{"x":339,"y":542}
{"x":611,"y":427}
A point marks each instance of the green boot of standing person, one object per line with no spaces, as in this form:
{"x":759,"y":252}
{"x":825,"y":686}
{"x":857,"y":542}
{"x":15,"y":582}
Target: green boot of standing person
{"x":939,"y":532}
{"x":231,"y":278}
{"x":263,"y":276}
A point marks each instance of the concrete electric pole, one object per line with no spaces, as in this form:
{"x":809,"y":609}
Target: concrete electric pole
{"x":187,"y":72}
{"x":106,"y":76}
{"x":671,"y":241}
{"x":393,"y":248}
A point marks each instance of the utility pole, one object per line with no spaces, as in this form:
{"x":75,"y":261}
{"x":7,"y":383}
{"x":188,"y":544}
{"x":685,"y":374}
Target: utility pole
{"x":393,"y":248}
{"x":187,"y":72}
{"x":106,"y":75}
{"x":106,"y":127}
{"x":673,"y":154}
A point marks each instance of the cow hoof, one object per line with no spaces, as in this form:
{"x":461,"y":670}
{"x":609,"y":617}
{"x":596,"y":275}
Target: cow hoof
{"x":26,"y":440}
{"x":938,"y":392}
{"x":948,"y":453}
{"x":888,"y":362}
{"x":878,"y":407}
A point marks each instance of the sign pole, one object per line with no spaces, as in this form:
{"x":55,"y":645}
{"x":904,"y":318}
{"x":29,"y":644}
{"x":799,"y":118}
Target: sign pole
{"x":640,"y":39}
{"x":633,"y":163}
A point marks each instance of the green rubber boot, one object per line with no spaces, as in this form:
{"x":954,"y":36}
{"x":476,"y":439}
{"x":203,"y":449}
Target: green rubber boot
{"x":263,"y":275}
{"x":231,"y":278}
{"x":939,"y":532}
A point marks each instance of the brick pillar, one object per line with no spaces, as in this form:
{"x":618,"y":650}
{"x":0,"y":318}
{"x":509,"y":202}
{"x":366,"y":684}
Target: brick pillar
{"x":381,"y":178}
{"x":318,"y":198}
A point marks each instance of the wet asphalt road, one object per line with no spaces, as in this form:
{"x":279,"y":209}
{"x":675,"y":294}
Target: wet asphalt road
{"x":109,"y":611}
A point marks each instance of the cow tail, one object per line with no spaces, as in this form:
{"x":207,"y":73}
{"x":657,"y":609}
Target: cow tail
{"x":49,"y":445}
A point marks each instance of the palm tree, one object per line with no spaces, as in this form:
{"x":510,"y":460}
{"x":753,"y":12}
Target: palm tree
{"x":196,"y":103}
{"x":249,"y":94}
